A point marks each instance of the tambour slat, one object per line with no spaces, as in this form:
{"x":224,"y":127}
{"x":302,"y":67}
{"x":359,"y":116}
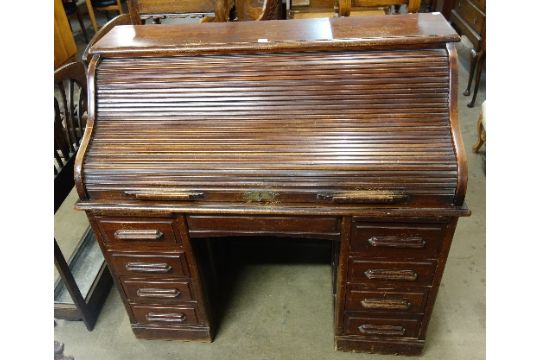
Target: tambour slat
{"x":293,"y":122}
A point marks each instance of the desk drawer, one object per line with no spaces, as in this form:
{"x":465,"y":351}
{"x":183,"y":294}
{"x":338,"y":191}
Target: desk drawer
{"x":165,"y":315}
{"x":381,"y":327}
{"x":168,"y":291}
{"x":150,"y":264}
{"x":315,"y":226}
{"x":395,"y":272}
{"x":385,"y":302}
{"x":130,"y":233}
{"x":392,"y":240}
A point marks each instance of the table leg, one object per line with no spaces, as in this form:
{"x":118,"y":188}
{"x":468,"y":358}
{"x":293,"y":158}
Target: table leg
{"x":480,"y":67}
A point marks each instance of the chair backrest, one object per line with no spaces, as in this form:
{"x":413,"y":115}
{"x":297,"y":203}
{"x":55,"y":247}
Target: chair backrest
{"x":70,"y":105}
{"x":412,"y":5}
{"x":140,"y":9}
{"x":249,"y":10}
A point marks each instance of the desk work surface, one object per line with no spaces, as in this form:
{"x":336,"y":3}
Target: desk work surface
{"x":339,"y":129}
{"x":277,"y":35}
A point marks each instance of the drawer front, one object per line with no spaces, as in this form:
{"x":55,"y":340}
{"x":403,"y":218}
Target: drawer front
{"x":170,"y":291}
{"x":395,"y":272}
{"x":152,"y":265}
{"x":130,"y":233}
{"x":471,"y":14}
{"x":203,"y":225}
{"x":385,"y":302}
{"x":409,"y":240}
{"x":165,"y":315}
{"x":381,"y":327}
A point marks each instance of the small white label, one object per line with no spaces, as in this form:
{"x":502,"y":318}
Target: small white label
{"x":262,"y":40}
{"x":436,"y":13}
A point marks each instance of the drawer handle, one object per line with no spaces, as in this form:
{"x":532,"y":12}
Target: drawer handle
{"x":172,"y":317}
{"x":148,"y":267}
{"x":388,"y":304}
{"x":367,"y":196}
{"x":165,"y":195}
{"x":413,"y":242}
{"x":138,"y":235}
{"x":385,"y":274}
{"x":391,"y":330}
{"x":158,"y":293}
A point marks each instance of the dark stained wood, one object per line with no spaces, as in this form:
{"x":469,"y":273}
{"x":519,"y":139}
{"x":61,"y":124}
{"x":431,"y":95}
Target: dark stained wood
{"x":343,"y":129}
{"x":359,"y":33}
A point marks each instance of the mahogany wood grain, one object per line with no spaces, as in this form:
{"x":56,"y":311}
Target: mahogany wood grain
{"x":344,"y":129}
{"x":167,"y":291}
{"x":382,"y":327}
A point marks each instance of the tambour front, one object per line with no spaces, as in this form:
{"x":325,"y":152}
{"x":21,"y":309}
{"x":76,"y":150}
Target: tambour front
{"x":342,"y":129}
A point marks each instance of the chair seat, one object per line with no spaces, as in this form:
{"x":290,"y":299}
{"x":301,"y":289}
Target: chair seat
{"x":103,"y":3}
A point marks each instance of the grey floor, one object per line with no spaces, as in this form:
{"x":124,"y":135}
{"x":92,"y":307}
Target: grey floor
{"x":285,"y":311}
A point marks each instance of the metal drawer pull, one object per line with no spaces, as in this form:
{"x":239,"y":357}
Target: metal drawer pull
{"x":172,"y":317}
{"x":148,"y":267}
{"x":165,"y":195}
{"x":391,"y":330}
{"x":366,"y":196}
{"x":389,"y":304}
{"x":138,"y":235}
{"x":158,"y":293}
{"x":385,"y":274}
{"x":413,"y":242}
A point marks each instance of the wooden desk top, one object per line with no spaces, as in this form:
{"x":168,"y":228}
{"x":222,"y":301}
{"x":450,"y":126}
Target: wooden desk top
{"x":269,"y":36}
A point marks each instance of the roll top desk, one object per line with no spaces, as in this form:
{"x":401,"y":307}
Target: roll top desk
{"x":342,"y":129}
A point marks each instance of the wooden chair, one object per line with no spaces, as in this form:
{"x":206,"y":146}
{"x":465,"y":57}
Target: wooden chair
{"x":71,"y":7}
{"x":102,"y":5}
{"x":481,"y":129}
{"x":69,"y":124}
{"x":246,"y":10}
{"x":302,"y":9}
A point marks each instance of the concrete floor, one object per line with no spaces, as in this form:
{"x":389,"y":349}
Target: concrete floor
{"x":284,"y":311}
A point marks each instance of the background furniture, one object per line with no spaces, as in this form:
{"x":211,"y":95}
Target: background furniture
{"x":190,"y":138}
{"x":71,"y":7}
{"x":302,"y":9}
{"x":102,"y":5}
{"x":481,"y":129}
{"x":156,"y":10}
{"x":85,"y":279}
{"x":65,"y":48}
{"x":469,"y":18}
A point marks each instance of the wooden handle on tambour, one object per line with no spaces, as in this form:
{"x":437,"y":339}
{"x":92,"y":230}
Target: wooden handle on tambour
{"x":364,"y":196}
{"x":414,"y":242}
{"x":386,"y":274}
{"x":172,"y":317}
{"x":388,"y":304}
{"x":391,"y":330}
{"x":138,"y":234}
{"x":165,"y":195}
{"x":148,"y":267}
{"x":158,"y":293}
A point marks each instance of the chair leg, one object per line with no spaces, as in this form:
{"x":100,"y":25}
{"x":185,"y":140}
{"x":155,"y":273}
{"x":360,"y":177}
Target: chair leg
{"x":91,"y":15}
{"x":481,"y":134}
{"x":479,"y":69}
{"x":81,"y":23}
{"x":474,"y":62}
